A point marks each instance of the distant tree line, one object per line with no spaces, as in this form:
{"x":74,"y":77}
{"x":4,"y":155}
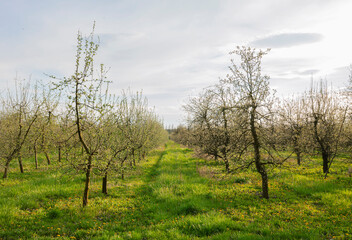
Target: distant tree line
{"x":241,"y":123}
{"x":78,"y":122}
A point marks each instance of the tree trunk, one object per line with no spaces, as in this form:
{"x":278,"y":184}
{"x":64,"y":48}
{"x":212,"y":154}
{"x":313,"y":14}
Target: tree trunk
{"x":227,"y":141}
{"x":133,"y":158}
{"x":297,"y":149}
{"x":59,"y":154}
{"x":323,"y":148}
{"x":20,"y":162}
{"x":227,"y":165}
{"x":259,"y":166}
{"x":105,"y":183}
{"x":7,"y":166}
{"x":35,"y":156}
{"x":122,"y":172}
{"x":47,"y":157}
{"x":325,"y":156}
{"x":298,"y":155}
{"x":265,"y":184}
{"x":139,"y":156}
{"x":87,"y":182}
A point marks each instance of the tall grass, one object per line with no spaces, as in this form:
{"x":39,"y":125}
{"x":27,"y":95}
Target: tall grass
{"x":173,"y":195}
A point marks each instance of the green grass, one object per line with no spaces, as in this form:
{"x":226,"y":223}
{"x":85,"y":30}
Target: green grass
{"x":176,"y":196}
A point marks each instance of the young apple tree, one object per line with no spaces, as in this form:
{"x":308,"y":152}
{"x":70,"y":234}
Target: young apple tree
{"x":88,"y":102}
{"x":254,"y":101}
{"x":327,"y":117}
{"x":17,"y":117}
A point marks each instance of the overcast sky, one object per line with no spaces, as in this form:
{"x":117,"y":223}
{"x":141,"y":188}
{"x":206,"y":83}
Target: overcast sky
{"x":173,"y":49}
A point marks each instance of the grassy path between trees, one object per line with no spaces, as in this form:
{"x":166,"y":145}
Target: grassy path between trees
{"x":175,"y":196}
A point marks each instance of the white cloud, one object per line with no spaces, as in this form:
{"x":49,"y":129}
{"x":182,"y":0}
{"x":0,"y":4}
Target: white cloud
{"x":172,"y":48}
{"x":287,"y":40}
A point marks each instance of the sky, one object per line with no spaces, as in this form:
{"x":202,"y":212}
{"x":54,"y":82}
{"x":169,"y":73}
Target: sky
{"x":171,"y":50}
